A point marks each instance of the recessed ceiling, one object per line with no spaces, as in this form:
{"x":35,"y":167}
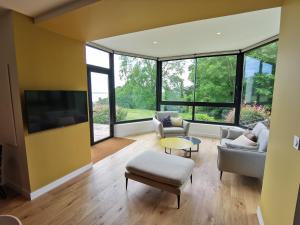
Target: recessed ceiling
{"x":32,"y":7}
{"x":211,"y":35}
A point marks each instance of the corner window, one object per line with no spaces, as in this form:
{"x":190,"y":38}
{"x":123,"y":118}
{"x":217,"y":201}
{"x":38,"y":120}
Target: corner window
{"x":258,"y":84}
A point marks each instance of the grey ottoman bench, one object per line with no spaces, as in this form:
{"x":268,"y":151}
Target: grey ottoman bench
{"x":166,"y":172}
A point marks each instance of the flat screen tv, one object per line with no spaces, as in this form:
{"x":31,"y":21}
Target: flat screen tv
{"x":52,"y":109}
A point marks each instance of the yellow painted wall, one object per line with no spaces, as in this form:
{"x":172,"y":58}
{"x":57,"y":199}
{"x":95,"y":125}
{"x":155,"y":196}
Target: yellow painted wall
{"x":107,"y":18}
{"x":282,"y":171}
{"x":49,"y":61}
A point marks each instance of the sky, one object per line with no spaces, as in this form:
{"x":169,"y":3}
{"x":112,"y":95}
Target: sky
{"x":100,"y":81}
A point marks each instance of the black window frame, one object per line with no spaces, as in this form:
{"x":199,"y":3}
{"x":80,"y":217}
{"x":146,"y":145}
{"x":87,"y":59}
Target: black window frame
{"x":239,"y":73}
{"x":156,"y":91}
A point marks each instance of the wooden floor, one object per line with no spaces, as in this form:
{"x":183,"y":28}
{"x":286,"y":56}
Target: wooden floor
{"x":99,"y":196}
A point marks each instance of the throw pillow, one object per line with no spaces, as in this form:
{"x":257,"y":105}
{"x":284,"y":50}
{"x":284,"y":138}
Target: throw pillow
{"x":248,"y":134}
{"x":166,"y":122}
{"x":234,"y":133}
{"x":242,"y":142}
{"x":176,"y":121}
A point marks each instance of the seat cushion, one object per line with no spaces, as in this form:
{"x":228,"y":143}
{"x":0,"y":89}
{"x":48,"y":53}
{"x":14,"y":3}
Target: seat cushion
{"x":168,"y":169}
{"x":224,"y":141}
{"x":173,"y":130}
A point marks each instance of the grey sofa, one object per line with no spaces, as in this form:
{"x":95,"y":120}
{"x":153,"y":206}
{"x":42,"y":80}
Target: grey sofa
{"x":169,"y":131}
{"x":244,"y":161}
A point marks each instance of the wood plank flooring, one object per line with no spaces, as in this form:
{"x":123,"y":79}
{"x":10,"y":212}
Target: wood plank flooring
{"x":98,"y":197}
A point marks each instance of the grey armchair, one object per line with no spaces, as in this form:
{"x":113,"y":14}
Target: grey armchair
{"x":169,"y":131}
{"x":243,"y":161}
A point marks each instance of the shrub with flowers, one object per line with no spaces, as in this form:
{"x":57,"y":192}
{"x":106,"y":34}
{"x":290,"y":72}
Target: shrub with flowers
{"x":250,"y":115}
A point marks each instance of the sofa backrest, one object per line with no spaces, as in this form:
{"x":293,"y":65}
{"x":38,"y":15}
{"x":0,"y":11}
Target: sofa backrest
{"x":262,"y":138}
{"x":163,"y":114}
{"x":258,"y":128}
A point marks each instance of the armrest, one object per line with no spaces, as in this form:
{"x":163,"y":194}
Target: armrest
{"x":244,"y":162}
{"x":158,"y":127}
{"x":186,"y":127}
{"x":224,"y":131}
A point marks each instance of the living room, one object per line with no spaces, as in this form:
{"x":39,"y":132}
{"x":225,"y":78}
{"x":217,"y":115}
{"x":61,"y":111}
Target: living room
{"x":224,"y":70}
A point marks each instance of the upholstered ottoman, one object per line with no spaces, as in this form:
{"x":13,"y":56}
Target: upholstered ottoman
{"x":166,"y":172}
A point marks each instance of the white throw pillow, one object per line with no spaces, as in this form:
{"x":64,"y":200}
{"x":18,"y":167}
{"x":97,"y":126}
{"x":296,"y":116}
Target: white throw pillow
{"x":176,"y":121}
{"x":242,"y":142}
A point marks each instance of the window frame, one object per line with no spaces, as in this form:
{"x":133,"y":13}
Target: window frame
{"x":114,"y":90}
{"x":237,"y":90}
{"x":199,"y":103}
{"x":242,"y":77}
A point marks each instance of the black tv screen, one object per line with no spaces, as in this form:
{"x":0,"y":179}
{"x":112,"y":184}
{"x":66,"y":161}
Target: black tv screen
{"x":51,"y":109}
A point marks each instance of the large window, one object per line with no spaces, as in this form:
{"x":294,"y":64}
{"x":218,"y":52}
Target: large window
{"x":214,"y":89}
{"x":215,"y":79}
{"x":135,"y":88}
{"x":258,"y":83}
{"x":199,"y":84}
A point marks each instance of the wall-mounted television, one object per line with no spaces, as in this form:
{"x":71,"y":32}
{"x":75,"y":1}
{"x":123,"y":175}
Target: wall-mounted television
{"x":51,"y":109}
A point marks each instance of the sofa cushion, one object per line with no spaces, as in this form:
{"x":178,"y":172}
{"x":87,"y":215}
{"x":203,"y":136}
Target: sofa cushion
{"x":176,"y":121}
{"x":166,"y":122}
{"x":234,"y":133}
{"x":224,"y":141}
{"x":160,"y":115}
{"x":263,"y":139}
{"x":242,"y":142}
{"x":248,"y":134}
{"x":167,"y":169}
{"x":258,"y":128}
{"x":173,"y":130}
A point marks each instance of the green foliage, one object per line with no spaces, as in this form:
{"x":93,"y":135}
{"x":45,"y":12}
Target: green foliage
{"x":138,"y":91}
{"x":204,"y":117}
{"x":266,"y":53}
{"x":101,"y":114}
{"x":215,"y":79}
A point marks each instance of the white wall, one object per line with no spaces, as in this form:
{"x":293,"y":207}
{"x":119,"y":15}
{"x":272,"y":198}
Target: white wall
{"x":127,"y":129}
{"x":196,"y":129}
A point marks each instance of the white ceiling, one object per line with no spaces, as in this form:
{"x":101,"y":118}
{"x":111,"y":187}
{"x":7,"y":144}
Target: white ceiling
{"x":32,"y":7}
{"x":237,"y":32}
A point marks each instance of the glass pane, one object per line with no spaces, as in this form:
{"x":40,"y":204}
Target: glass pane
{"x":178,"y":80}
{"x":258,"y":83}
{"x":96,"y":57}
{"x":214,"y":114}
{"x":215,"y":79}
{"x":100,"y":99}
{"x":135,"y":87}
{"x":184,"y":111}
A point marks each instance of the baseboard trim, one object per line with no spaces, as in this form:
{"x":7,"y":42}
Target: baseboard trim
{"x":60,"y":181}
{"x":259,"y":216}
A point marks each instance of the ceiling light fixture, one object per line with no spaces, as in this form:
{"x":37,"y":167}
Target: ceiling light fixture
{"x":155,"y":42}
{"x":218,"y":33}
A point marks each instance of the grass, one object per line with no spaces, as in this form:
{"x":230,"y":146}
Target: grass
{"x":135,"y":114}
